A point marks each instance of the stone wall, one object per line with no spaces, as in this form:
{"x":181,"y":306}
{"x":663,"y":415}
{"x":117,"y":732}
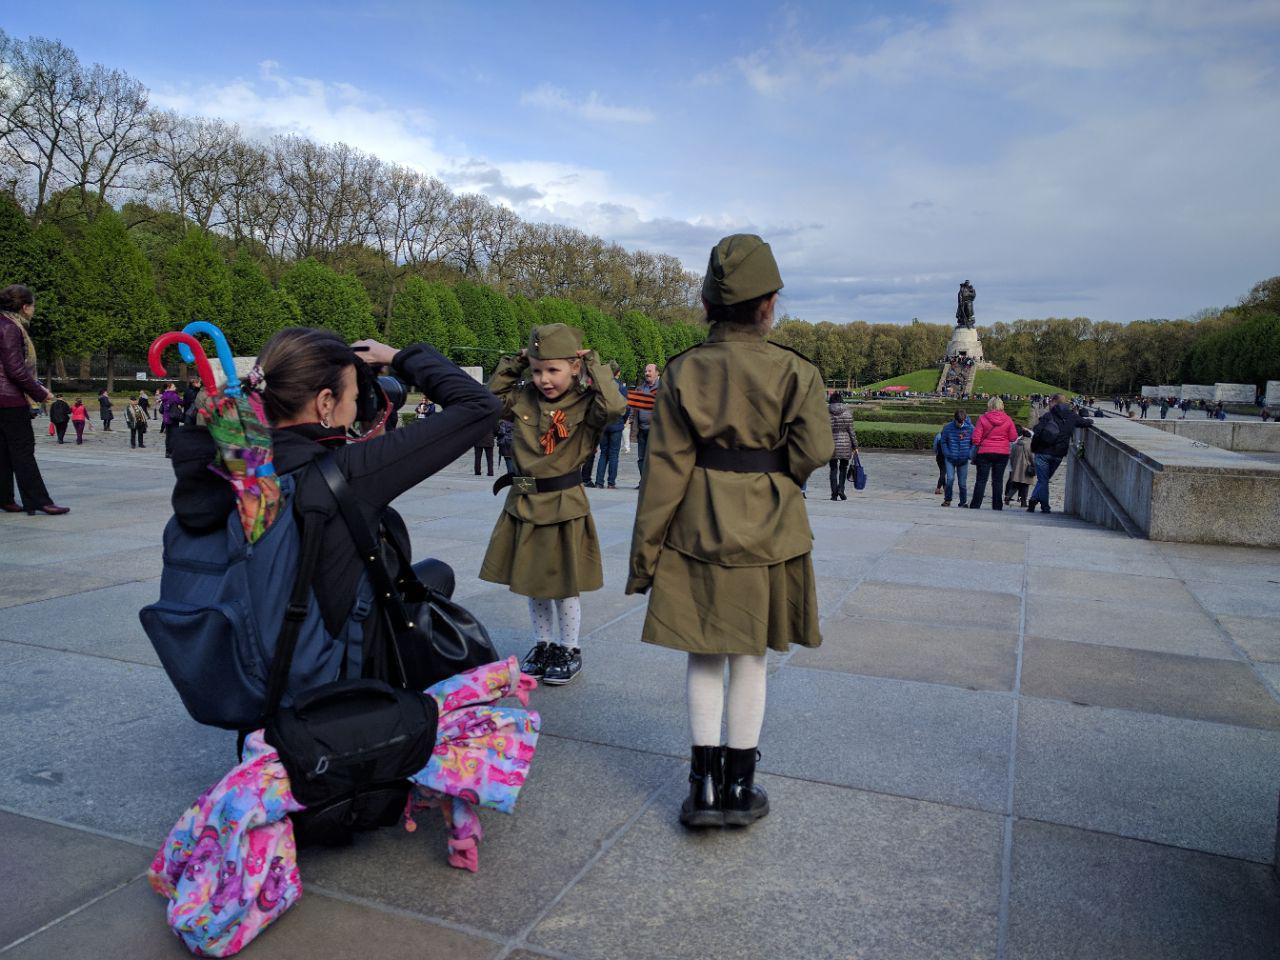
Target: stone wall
{"x":1171,"y":488}
{"x":1273,"y":393}
{"x":1242,"y":436}
{"x":1196,"y":391}
{"x":1152,"y":392}
{"x":1168,"y":390}
{"x":1235,"y":392}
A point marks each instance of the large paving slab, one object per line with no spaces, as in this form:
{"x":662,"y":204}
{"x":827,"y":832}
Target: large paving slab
{"x":1187,"y":783}
{"x":858,"y":875}
{"x":937,"y":605}
{"x":1078,"y":895}
{"x":1123,"y":624}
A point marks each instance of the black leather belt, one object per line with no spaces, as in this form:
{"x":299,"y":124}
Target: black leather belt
{"x":742,"y":461}
{"x":527,"y":485}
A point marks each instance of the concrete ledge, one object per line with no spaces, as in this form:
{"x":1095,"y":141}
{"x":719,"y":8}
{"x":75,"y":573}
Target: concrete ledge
{"x":1238,"y":435}
{"x":1173,"y":488}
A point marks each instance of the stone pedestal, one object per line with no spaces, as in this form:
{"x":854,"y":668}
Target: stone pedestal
{"x":1242,"y":393}
{"x":1194,"y":391}
{"x":1273,"y":393}
{"x":965,"y":343}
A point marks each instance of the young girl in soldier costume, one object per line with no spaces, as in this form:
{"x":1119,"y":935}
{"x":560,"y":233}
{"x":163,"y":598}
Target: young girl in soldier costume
{"x":544,"y":545}
{"x":721,"y":535}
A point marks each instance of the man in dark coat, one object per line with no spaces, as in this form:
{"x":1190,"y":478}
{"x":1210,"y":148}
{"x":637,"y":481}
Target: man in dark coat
{"x":1050,"y":442}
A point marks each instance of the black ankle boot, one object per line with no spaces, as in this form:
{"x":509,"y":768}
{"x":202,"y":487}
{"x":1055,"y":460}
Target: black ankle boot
{"x":702,"y":807}
{"x":744,"y":802}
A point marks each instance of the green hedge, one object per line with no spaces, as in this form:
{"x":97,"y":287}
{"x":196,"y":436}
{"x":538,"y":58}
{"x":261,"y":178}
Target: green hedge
{"x":894,"y":436}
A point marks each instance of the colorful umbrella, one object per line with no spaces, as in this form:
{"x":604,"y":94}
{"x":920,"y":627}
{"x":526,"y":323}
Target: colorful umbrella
{"x":238,"y":426}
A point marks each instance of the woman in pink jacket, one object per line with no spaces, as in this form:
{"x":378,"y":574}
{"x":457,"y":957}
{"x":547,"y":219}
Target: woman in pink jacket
{"x":993,"y":438}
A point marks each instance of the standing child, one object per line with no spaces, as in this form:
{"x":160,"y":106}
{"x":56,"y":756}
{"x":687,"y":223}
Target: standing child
{"x":722,"y":539}
{"x":544,"y":545}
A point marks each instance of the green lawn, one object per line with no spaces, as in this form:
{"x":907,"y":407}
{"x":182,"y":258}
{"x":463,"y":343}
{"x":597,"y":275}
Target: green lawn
{"x":989,"y":381}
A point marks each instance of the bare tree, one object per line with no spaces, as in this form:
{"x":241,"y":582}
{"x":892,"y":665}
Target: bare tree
{"x":42,"y":84}
{"x":107,"y":132}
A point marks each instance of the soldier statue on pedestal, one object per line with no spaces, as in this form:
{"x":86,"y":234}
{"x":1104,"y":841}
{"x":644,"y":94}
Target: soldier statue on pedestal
{"x":964,"y":305}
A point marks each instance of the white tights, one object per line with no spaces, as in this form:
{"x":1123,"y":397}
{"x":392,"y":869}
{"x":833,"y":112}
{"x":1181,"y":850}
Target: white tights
{"x":567,"y":612}
{"x":706,"y":699}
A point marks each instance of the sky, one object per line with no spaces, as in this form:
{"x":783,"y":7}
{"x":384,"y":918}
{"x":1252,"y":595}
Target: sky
{"x":1110,"y":159}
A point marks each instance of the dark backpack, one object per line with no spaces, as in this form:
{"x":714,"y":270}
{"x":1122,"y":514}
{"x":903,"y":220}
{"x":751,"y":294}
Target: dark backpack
{"x":1046,"y":434}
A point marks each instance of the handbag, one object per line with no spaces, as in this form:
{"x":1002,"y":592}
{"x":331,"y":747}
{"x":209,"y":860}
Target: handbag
{"x":52,"y":429}
{"x":859,"y":475}
{"x":432,"y":636}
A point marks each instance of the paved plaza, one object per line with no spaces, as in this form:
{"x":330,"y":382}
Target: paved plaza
{"x":1023,"y":737}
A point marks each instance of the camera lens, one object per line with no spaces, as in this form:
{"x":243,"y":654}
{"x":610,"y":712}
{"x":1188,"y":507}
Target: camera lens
{"x":395,"y":390}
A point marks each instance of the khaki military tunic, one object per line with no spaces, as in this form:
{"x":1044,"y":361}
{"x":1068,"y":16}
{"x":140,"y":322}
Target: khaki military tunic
{"x":544,"y":545}
{"x":727,"y":555}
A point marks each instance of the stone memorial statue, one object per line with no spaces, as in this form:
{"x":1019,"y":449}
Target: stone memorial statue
{"x":964,"y":305}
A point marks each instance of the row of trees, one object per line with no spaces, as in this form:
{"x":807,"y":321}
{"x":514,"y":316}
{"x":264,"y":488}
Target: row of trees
{"x":1237,"y":344}
{"x":78,"y":141}
{"x":99,"y":290}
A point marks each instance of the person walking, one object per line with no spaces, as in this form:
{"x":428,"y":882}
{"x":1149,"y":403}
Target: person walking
{"x":1050,"y":442}
{"x":424,"y":409}
{"x":641,"y":398}
{"x":104,"y":408}
{"x":80,"y":419}
{"x":136,"y":420}
{"x":170,"y":416}
{"x":1164,"y":407}
{"x":144,"y":402}
{"x":155,"y":405}
{"x":956,"y":441}
{"x":506,"y":444}
{"x":18,"y":388}
{"x":1022,"y":469}
{"x":722,"y":541}
{"x":845,"y":442}
{"x":993,"y":439}
{"x":60,"y":416}
{"x":1143,"y":405}
{"x":611,"y":440}
{"x":485,"y":446}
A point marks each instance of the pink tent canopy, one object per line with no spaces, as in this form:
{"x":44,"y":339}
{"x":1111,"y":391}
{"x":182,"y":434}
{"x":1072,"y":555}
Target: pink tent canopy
{"x":895,"y":389}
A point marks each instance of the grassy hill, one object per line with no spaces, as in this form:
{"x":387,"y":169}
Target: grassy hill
{"x":989,"y":381}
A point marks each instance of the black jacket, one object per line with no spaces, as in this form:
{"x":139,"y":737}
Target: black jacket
{"x":60,"y":411}
{"x":377,"y":470}
{"x":1068,"y":420}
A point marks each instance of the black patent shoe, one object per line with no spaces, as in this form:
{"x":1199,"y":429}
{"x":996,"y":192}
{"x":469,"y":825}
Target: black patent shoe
{"x":744,"y":803}
{"x":534,"y":663}
{"x":702,"y":808}
{"x":563,"y":665}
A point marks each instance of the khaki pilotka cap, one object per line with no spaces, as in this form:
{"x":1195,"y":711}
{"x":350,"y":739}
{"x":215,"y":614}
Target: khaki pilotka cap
{"x":555,"y":341}
{"x":741,"y":268}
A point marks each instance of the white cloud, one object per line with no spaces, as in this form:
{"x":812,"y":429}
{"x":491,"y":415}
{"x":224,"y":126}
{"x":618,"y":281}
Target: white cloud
{"x":592,"y":109}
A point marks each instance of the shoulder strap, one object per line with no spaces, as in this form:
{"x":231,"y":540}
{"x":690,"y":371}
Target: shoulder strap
{"x":387,"y":595}
{"x":296,"y":612}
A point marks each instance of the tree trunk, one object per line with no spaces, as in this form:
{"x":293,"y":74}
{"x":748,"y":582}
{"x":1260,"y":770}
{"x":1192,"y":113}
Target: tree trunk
{"x":111,"y":370}
{"x":84,"y":368}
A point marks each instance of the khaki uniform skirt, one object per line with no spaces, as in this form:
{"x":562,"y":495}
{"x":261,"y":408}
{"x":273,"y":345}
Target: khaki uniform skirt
{"x":702,"y":607}
{"x":545,"y":561}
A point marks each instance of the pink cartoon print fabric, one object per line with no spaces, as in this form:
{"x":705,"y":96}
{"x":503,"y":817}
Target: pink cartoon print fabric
{"x":482,"y":754}
{"x":229,"y":865}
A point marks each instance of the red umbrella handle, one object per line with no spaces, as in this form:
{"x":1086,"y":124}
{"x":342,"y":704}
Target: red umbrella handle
{"x":202,"y":362}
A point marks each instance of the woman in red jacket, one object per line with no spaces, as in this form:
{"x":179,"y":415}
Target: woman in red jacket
{"x":18,"y":387}
{"x":993,"y":438}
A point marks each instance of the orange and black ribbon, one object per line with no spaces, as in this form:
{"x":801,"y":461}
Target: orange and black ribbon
{"x":555,"y":433}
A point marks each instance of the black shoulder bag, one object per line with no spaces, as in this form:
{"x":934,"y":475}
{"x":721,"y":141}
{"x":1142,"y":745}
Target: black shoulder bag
{"x":350,"y":745}
{"x":432,"y":637}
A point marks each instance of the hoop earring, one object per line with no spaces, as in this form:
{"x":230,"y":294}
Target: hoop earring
{"x":324,"y":421}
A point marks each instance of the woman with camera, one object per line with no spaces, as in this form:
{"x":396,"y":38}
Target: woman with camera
{"x":319,"y":394}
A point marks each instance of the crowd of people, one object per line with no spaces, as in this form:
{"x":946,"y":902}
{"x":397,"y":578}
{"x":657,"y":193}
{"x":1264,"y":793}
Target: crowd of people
{"x":1212,"y":409}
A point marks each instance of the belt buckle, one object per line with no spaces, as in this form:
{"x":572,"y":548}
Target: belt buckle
{"x":524,"y":485}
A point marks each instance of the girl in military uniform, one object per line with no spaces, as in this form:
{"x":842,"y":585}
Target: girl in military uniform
{"x":544,"y":545}
{"x":722,"y":538}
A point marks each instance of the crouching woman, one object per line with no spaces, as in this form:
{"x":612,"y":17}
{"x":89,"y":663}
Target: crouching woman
{"x":722,"y":539}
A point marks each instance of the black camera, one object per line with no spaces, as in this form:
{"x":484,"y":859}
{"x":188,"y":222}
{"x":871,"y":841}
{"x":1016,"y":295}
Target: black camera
{"x":378,"y":401}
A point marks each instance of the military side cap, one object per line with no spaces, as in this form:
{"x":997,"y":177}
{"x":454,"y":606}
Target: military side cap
{"x":555,"y":341}
{"x":741,"y":268}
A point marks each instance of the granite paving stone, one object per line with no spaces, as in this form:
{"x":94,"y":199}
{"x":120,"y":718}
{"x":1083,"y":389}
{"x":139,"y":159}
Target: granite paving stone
{"x":934,"y":541}
{"x":1258,"y":636}
{"x":1126,"y":625}
{"x":944,"y":571}
{"x":949,"y":654}
{"x":936,"y":605}
{"x":1247,"y":599}
{"x":1079,"y":895}
{"x":910,"y":739}
{"x":103,"y":622}
{"x":858,"y":875}
{"x":47,"y":870}
{"x":1187,"y":783}
{"x":576,"y":796}
{"x":1198,"y":688}
{"x":130,"y":925}
{"x":1136,"y":591}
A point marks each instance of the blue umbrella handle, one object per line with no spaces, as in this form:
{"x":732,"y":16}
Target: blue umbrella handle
{"x":225,"y":357}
